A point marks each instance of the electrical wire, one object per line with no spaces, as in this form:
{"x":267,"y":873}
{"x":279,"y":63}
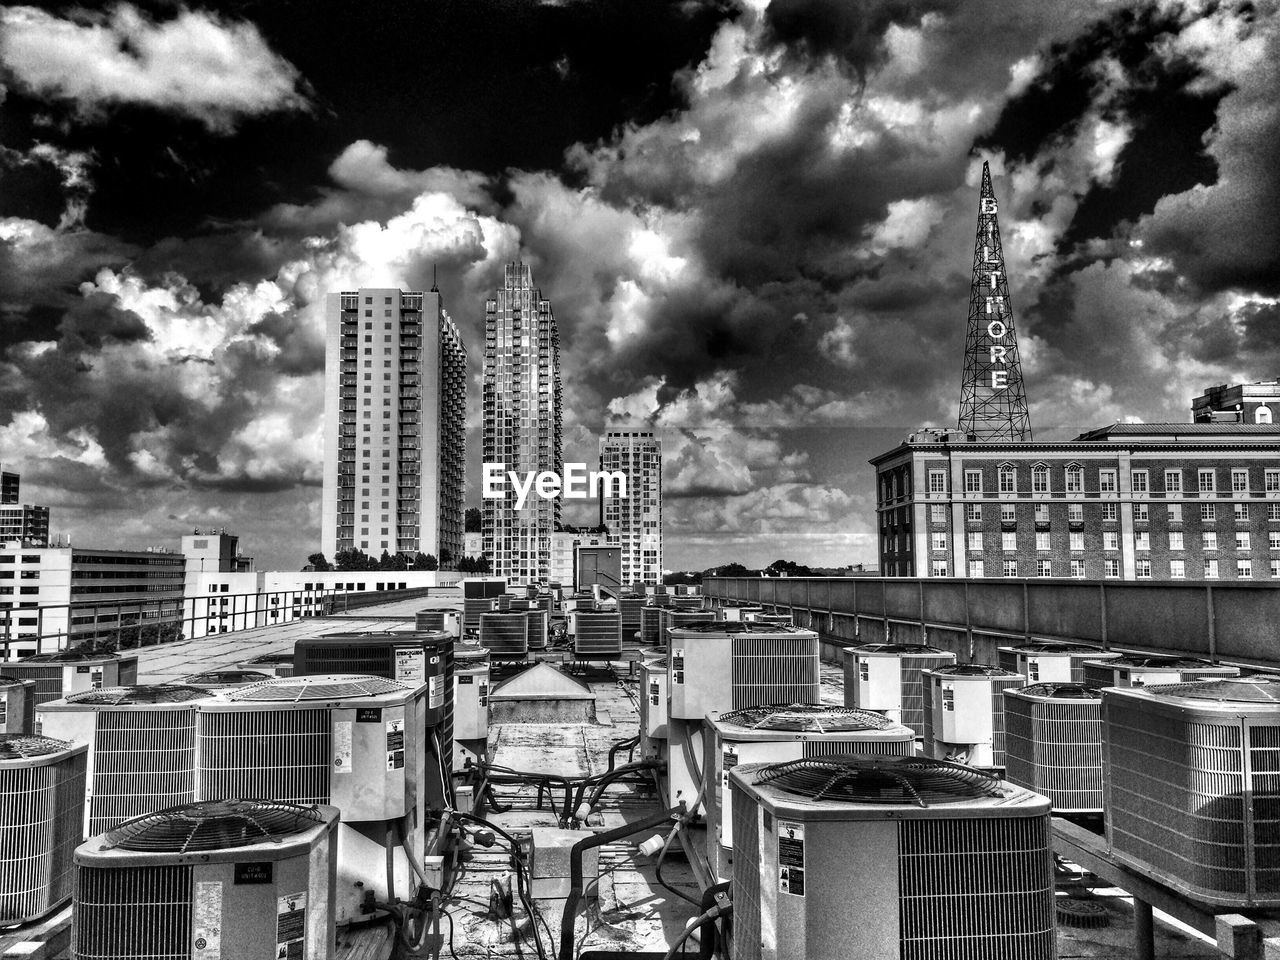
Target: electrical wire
{"x":698,"y":923}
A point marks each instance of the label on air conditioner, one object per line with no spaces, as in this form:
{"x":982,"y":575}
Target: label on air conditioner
{"x":95,"y":679}
{"x":206,"y":922}
{"x":466,"y":678}
{"x":864,"y":670}
{"x":291,"y":926}
{"x":409,"y":667}
{"x":728,"y":761}
{"x":395,"y":744}
{"x":948,"y":696}
{"x":368,"y":714}
{"x":1033,"y":669}
{"x":677,"y":666}
{"x":791,"y":858}
{"x":342,"y":746}
{"x":654,"y":692}
{"x":435,"y":692}
{"x":484,"y":692}
{"x":250,"y":873}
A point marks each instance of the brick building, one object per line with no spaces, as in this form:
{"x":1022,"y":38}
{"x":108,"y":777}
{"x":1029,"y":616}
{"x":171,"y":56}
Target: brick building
{"x":1162,"y":501}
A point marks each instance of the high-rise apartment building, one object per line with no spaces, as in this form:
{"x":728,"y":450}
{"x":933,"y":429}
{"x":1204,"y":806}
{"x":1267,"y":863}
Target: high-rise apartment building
{"x":634,"y":520}
{"x":394,"y":425}
{"x":521,"y":423}
{"x":26,"y":523}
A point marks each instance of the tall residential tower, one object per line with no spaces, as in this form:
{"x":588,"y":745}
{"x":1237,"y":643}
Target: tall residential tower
{"x":634,"y":520}
{"x":394,"y":425}
{"x":521,"y":423}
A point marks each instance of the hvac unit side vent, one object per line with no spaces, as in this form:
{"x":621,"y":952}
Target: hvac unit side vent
{"x":292,"y":755}
{"x":1053,"y":744}
{"x":914,"y":780}
{"x":775,"y":667}
{"x":213,"y":825}
{"x":599,"y":635}
{"x":506,"y":635}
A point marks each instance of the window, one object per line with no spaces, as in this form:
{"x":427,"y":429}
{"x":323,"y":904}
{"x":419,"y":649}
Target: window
{"x":1077,"y":569}
{"x":937,"y":481}
{"x":1008,"y":478}
{"x":1008,"y":541}
{"x":1142,"y":540}
{"x":1107,"y":481}
{"x":1273,"y":511}
{"x":1044,"y":568}
{"x":1040,"y":478}
{"x":1177,"y":570}
{"x":975,"y":568}
{"x":1142,"y":569}
{"x":1111,"y":567}
{"x":1273,"y":540}
{"x":1239,"y":481}
{"x":1209,"y":540}
{"x":1262,"y":415}
{"x":1141,"y":483}
{"x":1042,"y":540}
{"x":1173,"y":481}
{"x":1244,"y":569}
{"x":1275,"y":569}
{"x":1009,"y":568}
{"x":1110,"y":511}
{"x":1271,"y":479}
{"x":938,"y":541}
{"x":938,"y":513}
{"x":1077,"y":540}
{"x":1140,"y":513}
{"x":973,"y":481}
{"x":1008,"y":513}
{"x":1241,"y":511}
{"x":1206,"y":481}
{"x":939,"y":568}
{"x":1175,"y":540}
{"x":975,"y":539}
{"x":1075,"y":478}
{"x":1175,"y":512}
{"x":973,"y":511}
{"x":1110,"y":540}
{"x":1075,"y":512}
{"x":1042,"y":513}
{"x":1208,"y":511}
{"x":1242,"y":540}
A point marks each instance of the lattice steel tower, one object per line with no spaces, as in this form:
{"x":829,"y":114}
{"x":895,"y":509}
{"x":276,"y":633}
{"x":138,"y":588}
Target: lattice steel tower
{"x":993,"y":401}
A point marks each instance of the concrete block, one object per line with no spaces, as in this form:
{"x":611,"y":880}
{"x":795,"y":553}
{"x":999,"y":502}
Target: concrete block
{"x":549,"y":863}
{"x":1238,"y":937}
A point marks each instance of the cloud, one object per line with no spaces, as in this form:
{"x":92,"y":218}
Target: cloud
{"x":196,"y":64}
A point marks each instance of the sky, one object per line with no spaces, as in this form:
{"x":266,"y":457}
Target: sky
{"x":754,"y":222}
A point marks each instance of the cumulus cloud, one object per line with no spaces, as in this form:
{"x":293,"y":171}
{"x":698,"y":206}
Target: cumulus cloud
{"x":197,"y":64}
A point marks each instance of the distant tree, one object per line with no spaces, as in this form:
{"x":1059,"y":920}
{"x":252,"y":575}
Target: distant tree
{"x":483,"y":565}
{"x":446,"y":557}
{"x":682,"y":576}
{"x":787,"y":568}
{"x":471,"y":522}
{"x":318,"y":562}
{"x":352,"y":559}
{"x":386,"y":562}
{"x":424,"y":561}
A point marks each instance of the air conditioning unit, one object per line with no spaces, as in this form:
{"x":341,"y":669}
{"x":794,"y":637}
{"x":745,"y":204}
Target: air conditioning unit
{"x":1047,"y":662}
{"x":473,"y":608}
{"x":249,"y":879}
{"x":651,"y":626}
{"x":278,"y":664}
{"x":470,"y":703}
{"x":735,"y":613}
{"x":777,"y":733}
{"x":59,"y":674}
{"x":596,"y":635}
{"x":776,"y":619}
{"x":629,"y":609}
{"x":731,"y":666}
{"x":964,"y":713}
{"x":1053,"y":744}
{"x":483,"y":587}
{"x":857,"y":858}
{"x":1141,"y":671}
{"x":224,"y":679}
{"x":674,"y":619}
{"x":653,"y":706}
{"x":1190,"y":778}
{"x":886,"y":678}
{"x":537,"y":628}
{"x":360,"y":743}
{"x":505,"y":635}
{"x":438,"y":620}
{"x":142,"y":748}
{"x":687,"y":603}
{"x":17,"y":705}
{"x":41,"y":808}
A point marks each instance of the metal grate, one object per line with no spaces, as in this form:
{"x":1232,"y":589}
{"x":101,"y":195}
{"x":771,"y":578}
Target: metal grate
{"x":599,"y":636}
{"x":281,"y":754}
{"x":41,"y":816}
{"x":48,"y":678}
{"x":651,"y":633}
{"x":143,"y":760}
{"x":807,"y":718}
{"x":298,"y":689}
{"x":1054,"y":745}
{"x":155,"y":693}
{"x":212,"y":825}
{"x":473,"y":608}
{"x":775,"y":668}
{"x":913,"y":780}
{"x":536,"y":629}
{"x":132,"y":914}
{"x":1239,"y":690}
{"x":913,"y":692}
{"x":505,"y":634}
{"x":18,"y":746}
{"x":976,"y":888}
{"x":747,"y":942}
{"x":998,"y":686}
{"x":429,"y":620}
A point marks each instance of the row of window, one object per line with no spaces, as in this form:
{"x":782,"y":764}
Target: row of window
{"x":1110,"y":540}
{"x":938,"y":513}
{"x":1110,"y":569}
{"x":1140,"y":480}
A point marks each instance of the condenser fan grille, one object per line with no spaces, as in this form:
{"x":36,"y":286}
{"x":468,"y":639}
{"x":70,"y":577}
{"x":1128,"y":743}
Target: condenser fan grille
{"x":1241,"y":690}
{"x":14,"y":746}
{"x":899,"y":649}
{"x":213,"y":825}
{"x":295,"y":689}
{"x":973,"y":670}
{"x":123,"y":696}
{"x":880,"y":780}
{"x":1061,"y":691}
{"x":807,"y":718}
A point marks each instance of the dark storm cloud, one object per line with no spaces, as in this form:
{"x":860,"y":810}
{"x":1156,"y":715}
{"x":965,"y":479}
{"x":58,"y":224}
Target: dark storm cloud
{"x":853,"y":33}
